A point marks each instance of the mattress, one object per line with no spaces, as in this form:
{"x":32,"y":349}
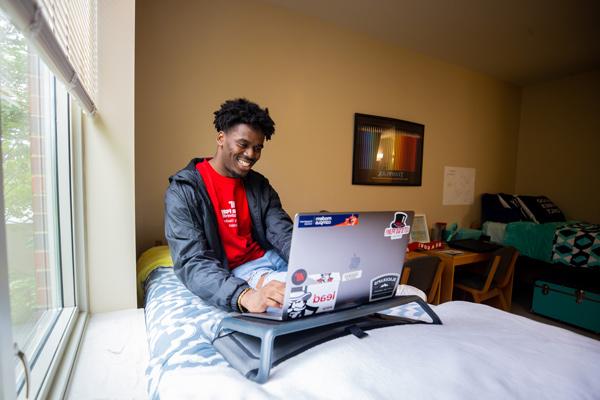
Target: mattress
{"x":478,"y":352}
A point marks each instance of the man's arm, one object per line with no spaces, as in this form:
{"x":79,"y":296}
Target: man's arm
{"x":196,"y":264}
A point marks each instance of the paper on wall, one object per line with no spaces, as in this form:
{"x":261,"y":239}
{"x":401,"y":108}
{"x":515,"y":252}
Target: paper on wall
{"x":459,"y":186}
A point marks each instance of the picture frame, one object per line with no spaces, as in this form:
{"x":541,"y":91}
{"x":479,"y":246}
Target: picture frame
{"x":387,"y":151}
{"x":419,"y":231}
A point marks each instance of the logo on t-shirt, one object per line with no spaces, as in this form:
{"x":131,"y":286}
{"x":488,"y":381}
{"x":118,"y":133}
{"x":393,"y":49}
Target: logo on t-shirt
{"x":230,"y":215}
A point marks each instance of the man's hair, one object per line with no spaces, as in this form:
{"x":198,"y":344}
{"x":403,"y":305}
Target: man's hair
{"x":242,"y":111}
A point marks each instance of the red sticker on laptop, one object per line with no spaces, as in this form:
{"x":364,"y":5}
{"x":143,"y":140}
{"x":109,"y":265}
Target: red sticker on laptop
{"x":299,"y":276}
{"x":398,"y":226}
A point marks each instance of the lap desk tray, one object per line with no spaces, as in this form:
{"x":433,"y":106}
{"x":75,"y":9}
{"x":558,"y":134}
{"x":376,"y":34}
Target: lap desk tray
{"x":253,"y":345}
{"x":575,"y":306}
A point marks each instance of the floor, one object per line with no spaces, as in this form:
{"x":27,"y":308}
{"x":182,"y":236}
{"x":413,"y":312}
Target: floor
{"x":521,"y":305}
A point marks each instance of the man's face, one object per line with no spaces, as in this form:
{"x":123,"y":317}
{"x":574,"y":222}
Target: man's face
{"x":238,"y":150}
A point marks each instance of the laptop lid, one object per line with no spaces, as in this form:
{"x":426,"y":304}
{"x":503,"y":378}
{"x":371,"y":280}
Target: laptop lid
{"x":341,"y":260}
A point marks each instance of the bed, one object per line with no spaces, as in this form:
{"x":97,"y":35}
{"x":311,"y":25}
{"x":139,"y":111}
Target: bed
{"x":478,"y":352}
{"x":558,"y":271}
{"x":569,"y":243}
{"x":539,"y":230}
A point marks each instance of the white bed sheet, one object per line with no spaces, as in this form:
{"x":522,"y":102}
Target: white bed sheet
{"x":479,"y":352}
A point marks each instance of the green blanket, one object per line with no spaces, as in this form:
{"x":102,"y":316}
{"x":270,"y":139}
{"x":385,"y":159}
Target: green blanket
{"x":531,"y":239}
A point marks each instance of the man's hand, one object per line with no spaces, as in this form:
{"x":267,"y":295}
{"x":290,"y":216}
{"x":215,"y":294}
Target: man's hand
{"x":270,"y":295}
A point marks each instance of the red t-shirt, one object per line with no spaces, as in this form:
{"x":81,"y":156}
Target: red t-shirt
{"x":228,"y":197}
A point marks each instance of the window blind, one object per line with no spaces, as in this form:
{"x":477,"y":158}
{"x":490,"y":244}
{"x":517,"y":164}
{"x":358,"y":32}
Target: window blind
{"x":64,"y":33}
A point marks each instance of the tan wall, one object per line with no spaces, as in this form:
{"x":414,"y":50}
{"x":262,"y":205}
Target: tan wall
{"x":191,"y":56}
{"x":109,"y":164}
{"x":559,"y":144}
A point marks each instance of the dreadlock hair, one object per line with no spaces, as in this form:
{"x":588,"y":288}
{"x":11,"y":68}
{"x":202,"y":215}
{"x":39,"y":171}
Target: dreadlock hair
{"x":242,"y":111}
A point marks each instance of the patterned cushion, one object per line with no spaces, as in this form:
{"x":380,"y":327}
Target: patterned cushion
{"x":540,"y":209}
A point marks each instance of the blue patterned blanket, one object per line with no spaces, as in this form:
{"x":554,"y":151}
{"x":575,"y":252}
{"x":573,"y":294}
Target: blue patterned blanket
{"x":181,"y":327}
{"x":577,"y":244}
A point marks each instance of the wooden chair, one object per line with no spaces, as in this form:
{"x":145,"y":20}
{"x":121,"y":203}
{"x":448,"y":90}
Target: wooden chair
{"x":424,"y":273}
{"x":495,"y":281}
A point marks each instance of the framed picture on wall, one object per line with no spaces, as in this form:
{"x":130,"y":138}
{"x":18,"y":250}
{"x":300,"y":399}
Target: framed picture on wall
{"x":387,"y":151}
{"x":419,"y":232}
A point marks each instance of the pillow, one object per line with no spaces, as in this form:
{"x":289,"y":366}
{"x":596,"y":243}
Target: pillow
{"x":151,"y":259}
{"x":540,"y":209}
{"x":500,"y":207}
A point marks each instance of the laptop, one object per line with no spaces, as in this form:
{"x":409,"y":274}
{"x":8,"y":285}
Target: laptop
{"x":342,"y":260}
{"x":474,"y":245}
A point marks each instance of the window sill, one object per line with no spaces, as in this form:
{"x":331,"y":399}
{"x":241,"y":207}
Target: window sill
{"x":112,"y":358}
{"x":57,"y":383}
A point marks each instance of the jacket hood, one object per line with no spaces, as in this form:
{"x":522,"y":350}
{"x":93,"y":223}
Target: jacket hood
{"x":187,"y":174}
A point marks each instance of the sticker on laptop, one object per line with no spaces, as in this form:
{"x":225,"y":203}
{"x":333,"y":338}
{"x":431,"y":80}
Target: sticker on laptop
{"x":383,"y":286}
{"x":317,"y":294}
{"x":299,"y":276}
{"x":398,"y":226}
{"x":326,"y":277}
{"x":328,"y":220}
{"x":298,"y":303}
{"x":350,"y":276}
{"x":324,"y":288}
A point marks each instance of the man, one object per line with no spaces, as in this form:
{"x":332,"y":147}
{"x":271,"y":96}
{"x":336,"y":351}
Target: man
{"x":228,"y":234}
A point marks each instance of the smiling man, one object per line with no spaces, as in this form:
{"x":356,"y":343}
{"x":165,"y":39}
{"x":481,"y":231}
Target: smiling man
{"x":228,"y":234}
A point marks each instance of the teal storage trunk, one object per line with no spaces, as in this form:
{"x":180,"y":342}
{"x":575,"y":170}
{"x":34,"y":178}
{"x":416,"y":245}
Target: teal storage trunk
{"x":574,"y":306}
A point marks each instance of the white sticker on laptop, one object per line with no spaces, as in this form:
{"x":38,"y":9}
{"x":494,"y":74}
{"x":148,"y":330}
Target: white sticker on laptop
{"x":398,"y":226}
{"x":349,"y":276}
{"x":316,"y":294}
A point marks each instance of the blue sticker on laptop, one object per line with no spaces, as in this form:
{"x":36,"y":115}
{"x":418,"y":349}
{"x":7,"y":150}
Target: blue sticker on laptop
{"x":326,"y":220}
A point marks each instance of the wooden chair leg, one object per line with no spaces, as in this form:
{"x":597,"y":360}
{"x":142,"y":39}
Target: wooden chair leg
{"x":507,"y":292}
{"x":503,"y":302}
{"x":438,"y":292}
{"x":405,"y":276}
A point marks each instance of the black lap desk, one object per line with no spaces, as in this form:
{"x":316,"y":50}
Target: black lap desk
{"x":255,"y":344}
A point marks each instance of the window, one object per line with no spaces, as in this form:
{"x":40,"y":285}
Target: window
{"x":37,"y":192}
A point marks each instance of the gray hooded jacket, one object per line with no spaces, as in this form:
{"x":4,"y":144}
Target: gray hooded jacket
{"x":194,"y":241}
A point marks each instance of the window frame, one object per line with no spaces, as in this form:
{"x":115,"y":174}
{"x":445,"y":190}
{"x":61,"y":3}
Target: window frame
{"x":7,"y":367}
{"x":51,"y":366}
